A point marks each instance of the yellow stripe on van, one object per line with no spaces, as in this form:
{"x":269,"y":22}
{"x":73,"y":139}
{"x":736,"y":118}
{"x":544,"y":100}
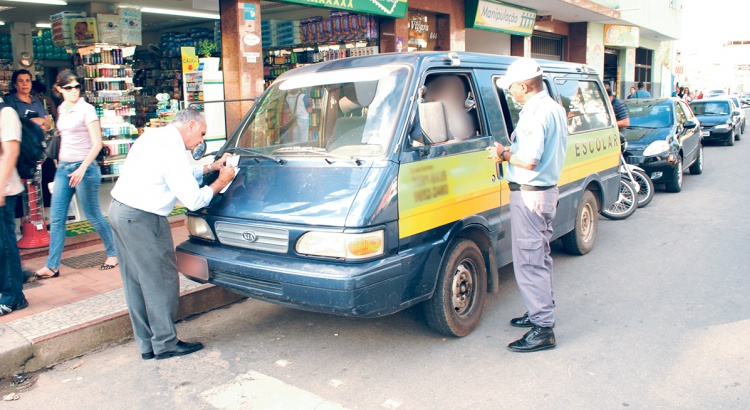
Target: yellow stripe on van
{"x":436,"y":192}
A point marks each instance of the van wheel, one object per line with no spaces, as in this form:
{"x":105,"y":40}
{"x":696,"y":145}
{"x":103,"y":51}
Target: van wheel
{"x":581,"y":239}
{"x":458,"y":302}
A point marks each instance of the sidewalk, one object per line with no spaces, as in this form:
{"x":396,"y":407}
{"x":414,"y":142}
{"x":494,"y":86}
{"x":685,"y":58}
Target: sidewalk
{"x":84,"y":308}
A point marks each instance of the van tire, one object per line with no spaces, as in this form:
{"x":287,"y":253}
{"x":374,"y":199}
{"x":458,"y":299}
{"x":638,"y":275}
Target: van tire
{"x":582,"y":238}
{"x":456,"y":307}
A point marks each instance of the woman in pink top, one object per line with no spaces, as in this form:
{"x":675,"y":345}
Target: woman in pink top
{"x":77,"y":172}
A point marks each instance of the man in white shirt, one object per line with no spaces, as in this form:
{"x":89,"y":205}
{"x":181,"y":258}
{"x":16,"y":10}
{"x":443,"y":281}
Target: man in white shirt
{"x":11,"y":275}
{"x":155,"y":175}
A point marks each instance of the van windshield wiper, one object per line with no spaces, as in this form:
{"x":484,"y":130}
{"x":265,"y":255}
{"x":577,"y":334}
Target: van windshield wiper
{"x":319,"y":151}
{"x":253,"y":153}
{"x":641,"y":126}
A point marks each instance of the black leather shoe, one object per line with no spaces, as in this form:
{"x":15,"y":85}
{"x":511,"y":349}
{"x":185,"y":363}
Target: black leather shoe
{"x":147,"y":356}
{"x":522,"y":321}
{"x":536,"y":339}
{"x":181,"y":349}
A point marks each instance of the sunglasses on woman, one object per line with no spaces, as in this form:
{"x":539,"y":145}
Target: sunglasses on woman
{"x":70,"y":87}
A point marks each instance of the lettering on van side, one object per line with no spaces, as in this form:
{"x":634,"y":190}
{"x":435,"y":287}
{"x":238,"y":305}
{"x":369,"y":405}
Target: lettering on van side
{"x":429,"y":183}
{"x":595,"y":145}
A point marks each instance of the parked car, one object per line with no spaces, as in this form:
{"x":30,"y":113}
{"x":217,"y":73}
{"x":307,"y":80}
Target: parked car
{"x":719,"y":118}
{"x":738,"y":103}
{"x":745,"y":100}
{"x":664,"y":139}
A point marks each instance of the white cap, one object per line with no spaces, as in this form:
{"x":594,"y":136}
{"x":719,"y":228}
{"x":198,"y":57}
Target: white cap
{"x":521,"y":70}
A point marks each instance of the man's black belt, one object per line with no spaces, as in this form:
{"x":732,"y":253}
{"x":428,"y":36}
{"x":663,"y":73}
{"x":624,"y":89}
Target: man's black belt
{"x":521,"y":187}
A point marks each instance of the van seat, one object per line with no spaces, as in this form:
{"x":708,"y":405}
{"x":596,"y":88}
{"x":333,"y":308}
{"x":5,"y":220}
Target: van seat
{"x":347,"y":131}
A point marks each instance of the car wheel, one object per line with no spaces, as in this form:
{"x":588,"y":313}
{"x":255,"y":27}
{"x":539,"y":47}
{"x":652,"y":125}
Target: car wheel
{"x":739,"y":136}
{"x":458,"y":302}
{"x":582,"y":238}
{"x":730,"y":140}
{"x":697,"y":167}
{"x":675,"y":185}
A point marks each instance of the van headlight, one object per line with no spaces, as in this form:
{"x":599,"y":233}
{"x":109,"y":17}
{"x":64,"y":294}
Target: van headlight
{"x":656,"y":148}
{"x":199,"y":228}
{"x":341,"y":245}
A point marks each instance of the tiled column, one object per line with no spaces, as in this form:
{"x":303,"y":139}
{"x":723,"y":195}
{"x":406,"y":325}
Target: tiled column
{"x":242,"y":56}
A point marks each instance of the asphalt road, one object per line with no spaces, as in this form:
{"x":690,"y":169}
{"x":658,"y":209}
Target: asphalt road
{"x":657,"y":316}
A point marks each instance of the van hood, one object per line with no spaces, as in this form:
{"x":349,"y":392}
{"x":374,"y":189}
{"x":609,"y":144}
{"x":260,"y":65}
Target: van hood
{"x":309,"y":192}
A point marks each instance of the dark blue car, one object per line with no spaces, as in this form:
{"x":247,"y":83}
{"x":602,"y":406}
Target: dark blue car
{"x":720,"y":119}
{"x":664,"y":139}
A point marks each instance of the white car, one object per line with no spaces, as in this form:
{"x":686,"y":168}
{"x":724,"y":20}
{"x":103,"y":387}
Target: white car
{"x":736,"y":100}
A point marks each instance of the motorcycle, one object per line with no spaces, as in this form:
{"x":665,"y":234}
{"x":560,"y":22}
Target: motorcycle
{"x":636,"y":189}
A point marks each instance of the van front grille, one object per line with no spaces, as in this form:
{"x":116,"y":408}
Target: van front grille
{"x":251,"y":236}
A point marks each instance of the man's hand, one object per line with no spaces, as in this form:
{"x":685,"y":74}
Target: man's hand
{"x":226,"y":175}
{"x":494,"y":153}
{"x":221,"y":162}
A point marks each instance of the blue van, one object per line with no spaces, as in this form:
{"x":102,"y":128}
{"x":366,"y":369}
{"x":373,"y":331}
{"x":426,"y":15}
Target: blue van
{"x":389,"y":200}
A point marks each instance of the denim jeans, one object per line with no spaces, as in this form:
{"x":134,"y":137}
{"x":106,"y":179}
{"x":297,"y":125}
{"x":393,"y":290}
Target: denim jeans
{"x":88,"y":200}
{"x":11,"y":276}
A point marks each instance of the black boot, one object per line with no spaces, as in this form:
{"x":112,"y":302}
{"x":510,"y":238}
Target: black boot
{"x":522,"y":321}
{"x":538,"y":338}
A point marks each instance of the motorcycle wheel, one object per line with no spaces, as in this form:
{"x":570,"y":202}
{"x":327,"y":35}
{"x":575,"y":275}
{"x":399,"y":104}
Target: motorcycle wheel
{"x":646,"y":191}
{"x":627,"y":203}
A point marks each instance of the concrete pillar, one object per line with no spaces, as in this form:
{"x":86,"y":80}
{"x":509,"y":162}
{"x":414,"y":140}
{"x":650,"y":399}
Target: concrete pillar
{"x":20,"y":34}
{"x":627,"y":61}
{"x":390,"y":28}
{"x":242,"y":56}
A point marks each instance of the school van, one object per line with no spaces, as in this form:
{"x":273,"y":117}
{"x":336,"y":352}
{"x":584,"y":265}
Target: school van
{"x":390,"y":200}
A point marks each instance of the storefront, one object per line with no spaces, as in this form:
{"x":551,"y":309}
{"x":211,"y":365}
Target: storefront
{"x":495,"y":27}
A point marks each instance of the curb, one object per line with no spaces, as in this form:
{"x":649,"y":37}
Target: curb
{"x":17,"y":354}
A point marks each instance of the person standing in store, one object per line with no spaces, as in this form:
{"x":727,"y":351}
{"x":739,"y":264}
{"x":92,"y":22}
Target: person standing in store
{"x":621,"y":110}
{"x":535,"y":160}
{"x":11,"y":274}
{"x":25,"y":104}
{"x":300,"y":107}
{"x":155,"y":175}
{"x":39,"y":91}
{"x":77,"y":172}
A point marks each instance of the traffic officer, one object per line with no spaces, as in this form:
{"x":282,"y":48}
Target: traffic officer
{"x":535,"y":160}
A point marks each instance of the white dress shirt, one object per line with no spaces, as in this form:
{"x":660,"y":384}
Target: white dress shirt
{"x":157,"y":173}
{"x":10,"y":130}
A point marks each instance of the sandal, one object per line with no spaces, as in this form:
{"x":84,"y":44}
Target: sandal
{"x":40,"y":277}
{"x":106,"y":266}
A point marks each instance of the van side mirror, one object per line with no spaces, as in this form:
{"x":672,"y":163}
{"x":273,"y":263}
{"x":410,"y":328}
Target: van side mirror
{"x":690,"y":124}
{"x":433,"y":121}
{"x":735,"y":113}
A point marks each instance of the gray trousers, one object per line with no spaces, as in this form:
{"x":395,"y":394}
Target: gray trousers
{"x":149,"y":275}
{"x":531,"y":215}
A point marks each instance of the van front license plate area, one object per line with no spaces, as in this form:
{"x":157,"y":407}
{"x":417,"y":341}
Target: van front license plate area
{"x":705,"y":133}
{"x":192,"y":266}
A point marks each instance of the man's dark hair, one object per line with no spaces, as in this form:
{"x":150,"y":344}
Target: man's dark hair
{"x":641,"y":85}
{"x":609,"y":92}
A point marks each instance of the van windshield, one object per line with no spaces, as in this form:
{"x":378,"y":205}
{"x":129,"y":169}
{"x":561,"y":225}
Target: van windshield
{"x":350,"y":112}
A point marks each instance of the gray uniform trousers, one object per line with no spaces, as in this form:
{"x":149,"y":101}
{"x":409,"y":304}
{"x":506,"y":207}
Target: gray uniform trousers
{"x":531,"y":215}
{"x":149,"y":275}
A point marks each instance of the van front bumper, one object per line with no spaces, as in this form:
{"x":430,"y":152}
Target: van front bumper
{"x":366,"y":289}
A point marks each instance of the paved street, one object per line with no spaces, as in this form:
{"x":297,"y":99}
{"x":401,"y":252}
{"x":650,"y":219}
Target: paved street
{"x":657,"y":316}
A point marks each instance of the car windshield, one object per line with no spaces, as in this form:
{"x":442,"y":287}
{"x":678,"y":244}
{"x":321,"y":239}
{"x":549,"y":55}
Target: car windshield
{"x":350,"y":112}
{"x":710,"y":107}
{"x":650,"y":115}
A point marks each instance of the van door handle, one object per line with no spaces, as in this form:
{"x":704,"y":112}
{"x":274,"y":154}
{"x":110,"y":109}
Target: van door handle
{"x":499,"y":170}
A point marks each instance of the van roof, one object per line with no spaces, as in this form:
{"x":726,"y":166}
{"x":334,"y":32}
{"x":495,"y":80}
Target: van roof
{"x":418,"y":59}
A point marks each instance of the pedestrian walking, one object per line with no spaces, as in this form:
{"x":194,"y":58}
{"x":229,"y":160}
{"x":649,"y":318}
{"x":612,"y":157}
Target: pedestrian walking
{"x":155,"y":175}
{"x":11,"y":275}
{"x":300,"y":109}
{"x":77,"y":173}
{"x":535,"y":160}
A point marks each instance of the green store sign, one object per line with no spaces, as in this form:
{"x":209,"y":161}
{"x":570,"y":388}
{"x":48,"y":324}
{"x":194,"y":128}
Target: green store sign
{"x":389,"y":8}
{"x":498,"y":16}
